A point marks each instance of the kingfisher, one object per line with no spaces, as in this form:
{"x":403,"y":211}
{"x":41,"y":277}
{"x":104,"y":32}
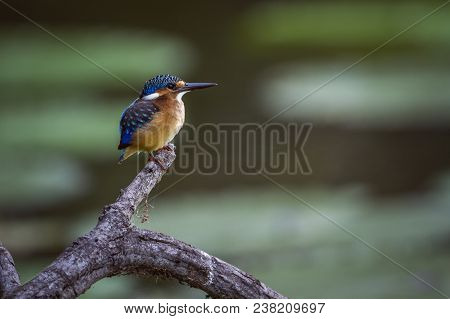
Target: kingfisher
{"x":153,"y":119}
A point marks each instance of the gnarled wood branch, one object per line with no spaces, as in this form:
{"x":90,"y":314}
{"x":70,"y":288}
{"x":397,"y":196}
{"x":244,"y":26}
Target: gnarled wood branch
{"x":115,"y":246}
{"x":9,"y":279}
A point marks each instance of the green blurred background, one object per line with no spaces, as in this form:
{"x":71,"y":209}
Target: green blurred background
{"x":379,"y":149}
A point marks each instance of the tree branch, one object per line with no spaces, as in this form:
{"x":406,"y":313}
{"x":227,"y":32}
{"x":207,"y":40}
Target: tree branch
{"x":116,"y":247}
{"x":9,"y":279}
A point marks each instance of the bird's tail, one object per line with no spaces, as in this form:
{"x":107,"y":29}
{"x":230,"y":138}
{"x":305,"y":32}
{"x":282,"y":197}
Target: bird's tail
{"x":126,"y":152}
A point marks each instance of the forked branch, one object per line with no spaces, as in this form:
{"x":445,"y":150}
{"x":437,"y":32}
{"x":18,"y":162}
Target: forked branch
{"x":116,"y":247}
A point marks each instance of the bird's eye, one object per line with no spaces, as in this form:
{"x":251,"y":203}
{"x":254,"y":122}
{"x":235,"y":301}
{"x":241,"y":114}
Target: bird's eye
{"x":171,"y":86}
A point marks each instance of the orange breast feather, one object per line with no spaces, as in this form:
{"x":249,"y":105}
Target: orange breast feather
{"x":161,"y":130}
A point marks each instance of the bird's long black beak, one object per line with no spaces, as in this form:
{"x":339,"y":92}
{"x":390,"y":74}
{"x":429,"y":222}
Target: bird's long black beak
{"x":196,"y":86}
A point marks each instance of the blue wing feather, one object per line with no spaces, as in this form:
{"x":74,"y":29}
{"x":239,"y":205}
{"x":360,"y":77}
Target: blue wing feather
{"x":139,"y":113}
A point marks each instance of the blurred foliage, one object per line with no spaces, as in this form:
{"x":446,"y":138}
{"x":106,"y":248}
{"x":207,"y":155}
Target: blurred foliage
{"x":78,"y":126}
{"x":128,"y":54}
{"x":377,"y":93}
{"x":272,"y":25}
{"x":39,"y":178}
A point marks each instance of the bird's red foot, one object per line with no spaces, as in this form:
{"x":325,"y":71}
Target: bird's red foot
{"x":157,"y":161}
{"x":169,"y":147}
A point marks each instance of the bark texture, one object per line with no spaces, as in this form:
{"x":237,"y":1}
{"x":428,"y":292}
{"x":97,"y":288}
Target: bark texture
{"x":9,"y":279}
{"x":116,"y":247}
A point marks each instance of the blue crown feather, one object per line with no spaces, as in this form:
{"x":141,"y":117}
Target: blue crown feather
{"x":158,"y":82}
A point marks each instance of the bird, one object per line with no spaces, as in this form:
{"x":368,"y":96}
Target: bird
{"x":151,"y":121}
